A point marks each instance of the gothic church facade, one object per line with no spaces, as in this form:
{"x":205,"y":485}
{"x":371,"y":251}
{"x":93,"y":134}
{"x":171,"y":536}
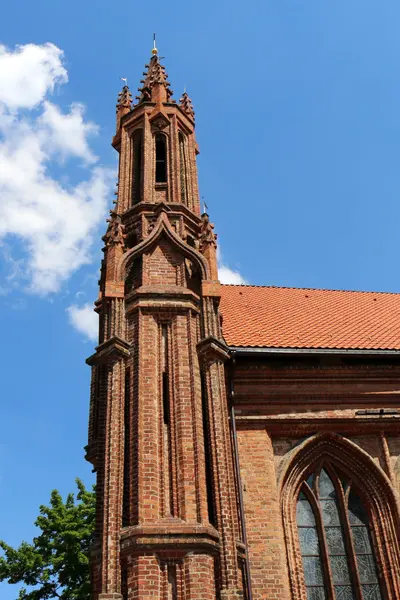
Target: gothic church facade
{"x":245,"y":439}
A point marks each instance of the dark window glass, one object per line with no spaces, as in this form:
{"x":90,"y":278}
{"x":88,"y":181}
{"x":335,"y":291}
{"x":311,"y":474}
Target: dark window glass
{"x":335,"y":540}
{"x":161,"y":159}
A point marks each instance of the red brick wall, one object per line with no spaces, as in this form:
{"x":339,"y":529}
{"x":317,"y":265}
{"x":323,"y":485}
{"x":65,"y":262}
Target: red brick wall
{"x":263,"y":518}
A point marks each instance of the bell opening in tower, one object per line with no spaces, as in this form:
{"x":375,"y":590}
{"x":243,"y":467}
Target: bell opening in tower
{"x":161,"y":158}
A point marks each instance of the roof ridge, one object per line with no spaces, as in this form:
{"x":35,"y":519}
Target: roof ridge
{"x":308,"y":289}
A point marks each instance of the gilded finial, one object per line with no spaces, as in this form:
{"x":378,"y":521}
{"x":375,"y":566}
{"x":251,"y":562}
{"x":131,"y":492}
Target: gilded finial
{"x":154,"y":50}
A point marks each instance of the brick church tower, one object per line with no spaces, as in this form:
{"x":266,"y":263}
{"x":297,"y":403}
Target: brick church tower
{"x":246,"y":440}
{"x":159,"y":440}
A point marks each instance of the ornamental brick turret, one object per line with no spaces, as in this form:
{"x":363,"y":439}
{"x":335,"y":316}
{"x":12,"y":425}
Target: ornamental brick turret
{"x":159,"y":441}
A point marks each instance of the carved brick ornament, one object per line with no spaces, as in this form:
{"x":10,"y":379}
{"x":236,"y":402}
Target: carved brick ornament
{"x":115,"y":234}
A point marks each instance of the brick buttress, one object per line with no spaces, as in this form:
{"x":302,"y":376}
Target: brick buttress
{"x":167,"y":521}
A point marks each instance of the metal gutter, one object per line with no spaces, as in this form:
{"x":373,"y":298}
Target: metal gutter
{"x":249,"y":350}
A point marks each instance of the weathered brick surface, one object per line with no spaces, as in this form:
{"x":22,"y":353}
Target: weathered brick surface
{"x":263,"y":516}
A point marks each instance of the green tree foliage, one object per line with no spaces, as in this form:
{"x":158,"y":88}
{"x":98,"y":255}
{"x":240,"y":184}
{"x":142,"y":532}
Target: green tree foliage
{"x":55,"y":564}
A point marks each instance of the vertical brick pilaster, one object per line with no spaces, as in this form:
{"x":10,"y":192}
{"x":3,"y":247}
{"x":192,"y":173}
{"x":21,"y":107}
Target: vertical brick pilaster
{"x":146,"y":579}
{"x":148,"y":155}
{"x":149,"y":431}
{"x":199,"y":577}
{"x":187,"y":424}
{"x":110,"y":480}
{"x":175,"y":183}
{"x":223,"y":474}
{"x":125,"y":173}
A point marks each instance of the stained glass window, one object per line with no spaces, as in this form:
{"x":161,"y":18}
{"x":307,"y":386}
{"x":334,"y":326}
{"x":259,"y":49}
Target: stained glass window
{"x":310,"y":551}
{"x":363,"y":549}
{"x":335,"y":540}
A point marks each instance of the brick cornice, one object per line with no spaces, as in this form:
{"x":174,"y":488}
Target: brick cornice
{"x":113,"y":349}
{"x":300,"y":427}
{"x":163,"y":297}
{"x":179,"y":536}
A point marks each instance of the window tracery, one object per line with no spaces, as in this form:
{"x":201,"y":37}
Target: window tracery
{"x":335,"y":539}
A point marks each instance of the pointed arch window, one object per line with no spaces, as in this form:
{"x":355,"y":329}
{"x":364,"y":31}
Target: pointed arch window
{"x":335,"y":540}
{"x":161,"y":158}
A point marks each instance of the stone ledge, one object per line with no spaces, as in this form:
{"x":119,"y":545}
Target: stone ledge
{"x":113,"y":349}
{"x":177,"y":536}
{"x":163,"y":296}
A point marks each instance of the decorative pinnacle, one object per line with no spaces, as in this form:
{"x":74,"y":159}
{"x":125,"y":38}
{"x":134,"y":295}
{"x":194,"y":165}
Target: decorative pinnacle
{"x":186,"y":105}
{"x":124,"y":97}
{"x":154,"y":81}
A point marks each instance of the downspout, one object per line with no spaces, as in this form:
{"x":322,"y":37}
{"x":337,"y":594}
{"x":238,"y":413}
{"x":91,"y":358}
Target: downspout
{"x":238,"y":477}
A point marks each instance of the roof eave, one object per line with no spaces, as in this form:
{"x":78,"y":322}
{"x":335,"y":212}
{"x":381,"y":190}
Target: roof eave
{"x":252,"y":350}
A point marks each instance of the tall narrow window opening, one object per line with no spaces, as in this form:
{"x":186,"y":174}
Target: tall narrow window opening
{"x":127,"y":453}
{"x":172,"y":583}
{"x":124,"y":583}
{"x":161,"y":158}
{"x":183,"y":168}
{"x":137,"y":166}
{"x":207,"y":456}
{"x":335,"y":539}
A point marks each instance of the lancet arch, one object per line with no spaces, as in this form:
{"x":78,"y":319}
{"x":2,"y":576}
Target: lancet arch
{"x":163,"y":227}
{"x":351,"y":473}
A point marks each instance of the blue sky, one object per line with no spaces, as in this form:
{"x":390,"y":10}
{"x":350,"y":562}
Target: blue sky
{"x":298,"y":122}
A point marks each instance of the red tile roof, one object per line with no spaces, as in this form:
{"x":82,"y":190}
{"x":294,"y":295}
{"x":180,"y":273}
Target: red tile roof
{"x":277,"y":317}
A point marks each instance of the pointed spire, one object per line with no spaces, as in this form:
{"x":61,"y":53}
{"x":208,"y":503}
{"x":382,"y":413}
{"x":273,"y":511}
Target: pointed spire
{"x":155,"y":85}
{"x":186,"y":105}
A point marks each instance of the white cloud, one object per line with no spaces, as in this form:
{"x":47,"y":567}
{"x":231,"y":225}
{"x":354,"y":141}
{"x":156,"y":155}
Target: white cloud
{"x":67,"y":133}
{"x":53,"y":220}
{"x":28,"y":73}
{"x":84,"y":319}
{"x":227,"y":275}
